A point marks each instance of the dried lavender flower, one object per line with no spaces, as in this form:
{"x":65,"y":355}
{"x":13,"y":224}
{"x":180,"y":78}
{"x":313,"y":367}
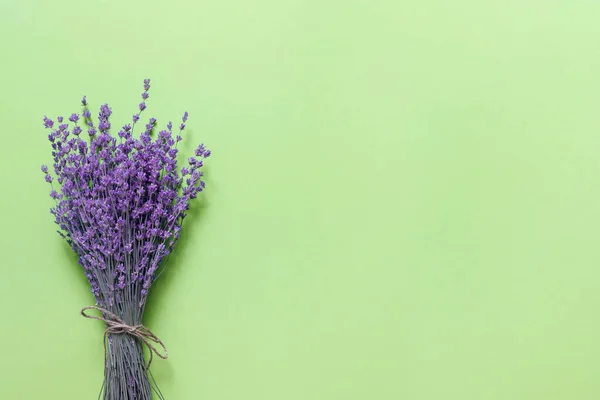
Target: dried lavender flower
{"x":120,"y":205}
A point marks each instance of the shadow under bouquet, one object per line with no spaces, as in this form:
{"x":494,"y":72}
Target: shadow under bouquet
{"x":120,"y":201}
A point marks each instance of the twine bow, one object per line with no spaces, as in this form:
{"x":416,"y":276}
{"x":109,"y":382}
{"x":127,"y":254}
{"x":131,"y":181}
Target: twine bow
{"x":115,"y":325}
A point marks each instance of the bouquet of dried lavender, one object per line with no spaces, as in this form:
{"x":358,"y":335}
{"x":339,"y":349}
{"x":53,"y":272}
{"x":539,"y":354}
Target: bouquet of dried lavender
{"x":120,"y":203}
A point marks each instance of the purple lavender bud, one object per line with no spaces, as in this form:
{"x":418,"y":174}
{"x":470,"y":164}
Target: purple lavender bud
{"x":136,"y":118}
{"x":83,"y":101}
{"x":179,"y":138}
{"x":45,"y":169}
{"x":105,"y":111}
{"x":54,"y":194}
{"x":182,"y":126}
{"x":152,"y":121}
{"x":48,"y":178}
{"x":76,"y":131}
{"x":146,"y":84}
{"x":145,"y":138}
{"x":145,"y":95}
{"x":86,"y":114}
{"x":170,"y":125}
{"x":142,"y":106}
{"x":91,"y":131}
{"x":127,"y":128}
{"x":48,"y":123}
{"x":60,"y":120}
{"x":164,"y":135}
{"x":185,"y":116}
{"x":74,"y":117}
{"x":104,"y":126}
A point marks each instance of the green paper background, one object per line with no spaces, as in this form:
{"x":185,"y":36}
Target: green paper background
{"x":403,"y":200}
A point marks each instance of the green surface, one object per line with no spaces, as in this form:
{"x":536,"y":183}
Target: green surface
{"x":403,"y":203}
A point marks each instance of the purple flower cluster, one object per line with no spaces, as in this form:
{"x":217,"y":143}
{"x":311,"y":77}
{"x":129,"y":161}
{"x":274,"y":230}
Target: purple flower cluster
{"x":120,"y":200}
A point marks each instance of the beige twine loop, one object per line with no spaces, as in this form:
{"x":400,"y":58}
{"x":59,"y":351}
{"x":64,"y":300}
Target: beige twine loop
{"x":115,"y":325}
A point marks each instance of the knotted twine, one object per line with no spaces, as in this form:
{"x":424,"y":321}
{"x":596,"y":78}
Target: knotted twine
{"x":115,"y":325}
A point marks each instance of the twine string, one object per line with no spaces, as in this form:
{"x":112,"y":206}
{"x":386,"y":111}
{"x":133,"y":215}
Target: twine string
{"x":115,"y":325}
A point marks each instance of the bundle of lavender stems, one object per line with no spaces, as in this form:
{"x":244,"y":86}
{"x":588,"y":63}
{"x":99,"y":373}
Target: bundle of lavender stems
{"x":119,"y":203}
